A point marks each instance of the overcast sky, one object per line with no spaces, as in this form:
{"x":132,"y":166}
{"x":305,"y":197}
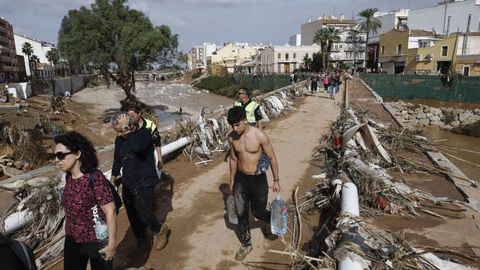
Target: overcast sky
{"x":198,"y":21}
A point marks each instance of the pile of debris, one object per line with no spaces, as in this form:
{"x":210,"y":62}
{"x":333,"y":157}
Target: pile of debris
{"x":354,"y":157}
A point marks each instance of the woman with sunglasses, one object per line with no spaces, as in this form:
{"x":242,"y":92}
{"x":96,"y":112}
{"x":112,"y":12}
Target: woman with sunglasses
{"x":76,"y":156}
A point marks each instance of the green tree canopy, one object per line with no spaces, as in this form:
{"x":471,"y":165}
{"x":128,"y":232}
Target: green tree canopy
{"x":368,"y":23}
{"x":115,"y":39}
{"x":52,"y":56}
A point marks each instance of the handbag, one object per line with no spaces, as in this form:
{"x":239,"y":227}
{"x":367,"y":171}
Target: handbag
{"x":116,"y":197}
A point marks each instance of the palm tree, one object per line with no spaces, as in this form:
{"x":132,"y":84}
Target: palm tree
{"x":34,"y":60}
{"x":334,"y":37}
{"x":368,"y":23}
{"x":27,"y":49}
{"x":326,"y":37}
{"x":52,"y":57}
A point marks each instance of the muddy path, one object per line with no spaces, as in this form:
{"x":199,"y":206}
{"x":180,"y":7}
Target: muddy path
{"x":201,"y":238}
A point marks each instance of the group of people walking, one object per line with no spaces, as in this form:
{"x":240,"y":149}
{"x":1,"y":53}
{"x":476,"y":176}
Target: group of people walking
{"x":330,"y":81}
{"x":89,"y":197}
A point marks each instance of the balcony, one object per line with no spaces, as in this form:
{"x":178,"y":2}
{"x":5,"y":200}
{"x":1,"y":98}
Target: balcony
{"x":359,"y":48}
{"x":357,"y":40}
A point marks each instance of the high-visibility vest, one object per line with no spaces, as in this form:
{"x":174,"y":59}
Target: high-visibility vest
{"x":250,"y":109}
{"x":150,"y":125}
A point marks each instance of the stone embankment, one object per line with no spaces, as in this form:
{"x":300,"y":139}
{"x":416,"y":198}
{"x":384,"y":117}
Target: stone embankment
{"x":413,"y":115}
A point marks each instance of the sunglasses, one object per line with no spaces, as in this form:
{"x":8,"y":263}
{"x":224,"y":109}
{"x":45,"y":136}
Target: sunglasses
{"x":62,"y":155}
{"x":241,"y":93}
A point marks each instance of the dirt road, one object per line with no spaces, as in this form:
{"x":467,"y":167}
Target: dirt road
{"x":201,"y":238}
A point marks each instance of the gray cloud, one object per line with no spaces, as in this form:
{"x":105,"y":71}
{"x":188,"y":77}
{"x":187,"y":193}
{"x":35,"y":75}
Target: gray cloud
{"x":198,"y":21}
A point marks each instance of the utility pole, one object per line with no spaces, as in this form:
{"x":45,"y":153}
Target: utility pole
{"x":465,"y":36}
{"x":444,"y":15}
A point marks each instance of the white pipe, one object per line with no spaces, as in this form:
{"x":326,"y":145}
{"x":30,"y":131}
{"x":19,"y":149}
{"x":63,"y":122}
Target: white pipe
{"x":349,"y":206}
{"x":169,"y":148}
{"x":16,"y":221}
{"x":350,"y":199}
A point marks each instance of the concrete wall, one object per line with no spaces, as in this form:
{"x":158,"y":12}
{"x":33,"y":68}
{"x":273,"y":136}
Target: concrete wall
{"x":59,"y":87}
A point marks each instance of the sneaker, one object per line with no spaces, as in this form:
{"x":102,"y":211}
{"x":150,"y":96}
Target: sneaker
{"x":160,"y":239}
{"x":267,"y":232}
{"x":243,"y":252}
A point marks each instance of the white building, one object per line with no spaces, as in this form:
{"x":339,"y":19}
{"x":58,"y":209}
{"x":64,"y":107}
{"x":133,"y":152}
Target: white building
{"x":311,"y":27}
{"x":394,"y":19}
{"x":350,"y":48}
{"x":345,"y":51}
{"x":295,"y":40}
{"x":40,"y":49}
{"x":208,"y":49}
{"x":285,"y":59}
{"x":446,"y":18}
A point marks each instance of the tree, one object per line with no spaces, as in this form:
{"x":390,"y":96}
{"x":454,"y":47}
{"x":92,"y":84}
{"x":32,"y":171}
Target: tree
{"x":183,"y":58}
{"x":326,"y":37}
{"x":368,"y":23}
{"x":307,"y":63}
{"x":52,"y":57}
{"x":27,"y":49}
{"x":115,"y":39}
{"x":34,"y":60}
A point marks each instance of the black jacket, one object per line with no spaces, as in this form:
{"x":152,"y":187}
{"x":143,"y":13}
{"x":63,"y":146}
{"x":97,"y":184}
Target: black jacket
{"x":134,"y":154}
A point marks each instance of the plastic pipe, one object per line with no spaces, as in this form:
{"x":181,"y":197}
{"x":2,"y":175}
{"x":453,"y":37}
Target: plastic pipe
{"x":350,"y":199}
{"x":16,"y":221}
{"x":349,"y":206}
{"x":173,"y":146}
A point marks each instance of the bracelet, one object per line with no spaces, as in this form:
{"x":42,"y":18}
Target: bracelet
{"x":276,"y":180}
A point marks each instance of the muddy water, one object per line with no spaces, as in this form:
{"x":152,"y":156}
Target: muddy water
{"x":460,"y":146}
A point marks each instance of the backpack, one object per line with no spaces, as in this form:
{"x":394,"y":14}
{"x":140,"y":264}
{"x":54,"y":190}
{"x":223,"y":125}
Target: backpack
{"x":23,"y":252}
{"x":116,"y":197}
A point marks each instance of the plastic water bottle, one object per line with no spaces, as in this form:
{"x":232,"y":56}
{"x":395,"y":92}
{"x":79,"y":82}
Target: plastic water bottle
{"x":101,"y":231}
{"x":232,"y":215}
{"x":278,"y":217}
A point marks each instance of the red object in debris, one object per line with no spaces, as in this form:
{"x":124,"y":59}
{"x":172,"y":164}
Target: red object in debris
{"x":336,"y":140}
{"x":382,"y":203}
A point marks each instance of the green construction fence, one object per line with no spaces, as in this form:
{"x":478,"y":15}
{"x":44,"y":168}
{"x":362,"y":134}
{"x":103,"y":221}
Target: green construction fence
{"x":461,"y":89}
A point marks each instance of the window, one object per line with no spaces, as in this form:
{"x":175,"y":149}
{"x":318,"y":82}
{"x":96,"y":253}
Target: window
{"x":444,"y":50}
{"x":382,"y":50}
{"x":286,"y":57}
{"x":279,"y":56}
{"x":294,"y":56}
{"x":399,"y":48}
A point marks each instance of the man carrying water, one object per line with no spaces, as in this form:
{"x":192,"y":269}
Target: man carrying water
{"x":249,"y":188}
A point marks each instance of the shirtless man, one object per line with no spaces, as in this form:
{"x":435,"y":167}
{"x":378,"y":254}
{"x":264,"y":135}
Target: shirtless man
{"x":249,"y":189}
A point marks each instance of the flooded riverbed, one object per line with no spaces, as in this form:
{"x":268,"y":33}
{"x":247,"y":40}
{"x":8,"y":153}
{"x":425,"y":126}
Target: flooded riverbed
{"x":461,"y":150}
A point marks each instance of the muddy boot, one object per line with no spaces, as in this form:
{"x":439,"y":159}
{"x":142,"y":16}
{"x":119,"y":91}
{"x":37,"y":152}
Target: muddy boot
{"x":267,"y":232}
{"x":160,"y":239}
{"x":243,"y":252}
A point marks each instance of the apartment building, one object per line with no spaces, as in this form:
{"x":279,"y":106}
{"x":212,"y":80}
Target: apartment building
{"x":9,"y":69}
{"x":285,"y":59}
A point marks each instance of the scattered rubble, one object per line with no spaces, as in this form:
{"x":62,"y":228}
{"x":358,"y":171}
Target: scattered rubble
{"x":446,"y":118}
